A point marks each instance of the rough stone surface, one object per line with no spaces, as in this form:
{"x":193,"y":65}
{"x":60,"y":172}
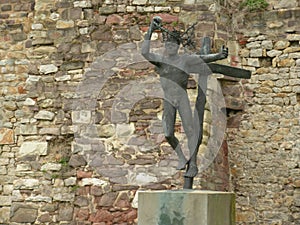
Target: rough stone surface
{"x":22,"y":213}
{"x":6,"y":136}
{"x":46,"y":69}
{"x":32,"y":147}
{"x":44,"y":115}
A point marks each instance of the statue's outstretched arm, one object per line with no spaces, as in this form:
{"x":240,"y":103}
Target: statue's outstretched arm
{"x":217,"y":56}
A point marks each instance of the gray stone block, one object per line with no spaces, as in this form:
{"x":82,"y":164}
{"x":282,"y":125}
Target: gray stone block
{"x":186,"y":207}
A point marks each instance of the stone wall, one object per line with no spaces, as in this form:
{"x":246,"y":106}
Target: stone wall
{"x":81,"y":110}
{"x":264,"y":148}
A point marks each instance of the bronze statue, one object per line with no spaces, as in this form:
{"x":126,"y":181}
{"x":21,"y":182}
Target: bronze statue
{"x":174,"y":70}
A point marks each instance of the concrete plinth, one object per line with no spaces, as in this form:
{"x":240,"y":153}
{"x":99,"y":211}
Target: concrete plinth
{"x":186,"y":207}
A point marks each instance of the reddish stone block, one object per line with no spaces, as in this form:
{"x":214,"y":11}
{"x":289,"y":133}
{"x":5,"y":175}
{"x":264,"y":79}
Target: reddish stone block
{"x":234,"y":60}
{"x":102,"y":215}
{"x":84,"y":174}
{"x":234,"y":121}
{"x":118,"y":217}
{"x":122,"y":200}
{"x":131,"y":215}
{"x":113,"y":19}
{"x":21,"y":90}
{"x":106,"y":199}
{"x":83,"y":191}
{"x":6,"y":136}
{"x":82,"y":214}
{"x":45,"y":218}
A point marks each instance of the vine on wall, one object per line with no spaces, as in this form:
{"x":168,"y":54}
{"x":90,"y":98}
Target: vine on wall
{"x":254,"y":5}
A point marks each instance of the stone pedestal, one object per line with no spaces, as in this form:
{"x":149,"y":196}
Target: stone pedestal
{"x":186,"y":207}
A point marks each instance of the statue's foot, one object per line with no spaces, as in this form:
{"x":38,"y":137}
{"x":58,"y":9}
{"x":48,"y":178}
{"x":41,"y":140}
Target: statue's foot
{"x":181,"y":164}
{"x":192,"y":171}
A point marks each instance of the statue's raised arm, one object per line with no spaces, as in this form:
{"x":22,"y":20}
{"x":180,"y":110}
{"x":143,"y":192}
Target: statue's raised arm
{"x":151,"y":57}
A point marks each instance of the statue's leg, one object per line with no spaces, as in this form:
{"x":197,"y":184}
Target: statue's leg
{"x":189,"y":128}
{"x":198,"y":118}
{"x":169,"y":117}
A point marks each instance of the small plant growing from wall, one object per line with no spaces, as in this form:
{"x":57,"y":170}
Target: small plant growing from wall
{"x":254,"y":5}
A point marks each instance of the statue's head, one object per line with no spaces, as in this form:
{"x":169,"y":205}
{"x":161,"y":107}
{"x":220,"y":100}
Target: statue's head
{"x":172,"y":42}
{"x":173,"y":36}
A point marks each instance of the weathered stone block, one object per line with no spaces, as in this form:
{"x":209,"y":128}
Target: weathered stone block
{"x":3,"y":170}
{"x":135,"y":33}
{"x":282,"y":44}
{"x":4,"y":214}
{"x":293,"y":37}
{"x":82,"y":4}
{"x":82,"y":116}
{"x":256,"y":52}
{"x":125,"y":130}
{"x":22,"y":213}
{"x":64,"y":24}
{"x":51,"y":167}
{"x":285,"y":4}
{"x":50,"y":130}
{"x":139,"y":2}
{"x":93,"y":182}
{"x":5,"y":200}
{"x":107,"y":200}
{"x":44,"y":115}
{"x":255,"y":44}
{"x":70,"y":181}
{"x":105,"y":10}
{"x":295,"y":55}
{"x":6,"y":136}
{"x":27,"y":129}
{"x":72,"y":65}
{"x":108,"y":130}
{"x":286,"y":62}
{"x":77,"y":161}
{"x":188,"y":207}
{"x":38,"y":198}
{"x":63,"y":194}
{"x":33,"y":148}
{"x":253,"y":62}
{"x":274,"y":53}
{"x":26,"y":183}
{"x":49,"y":68}
{"x":267,"y":44}
{"x":65,"y":213}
